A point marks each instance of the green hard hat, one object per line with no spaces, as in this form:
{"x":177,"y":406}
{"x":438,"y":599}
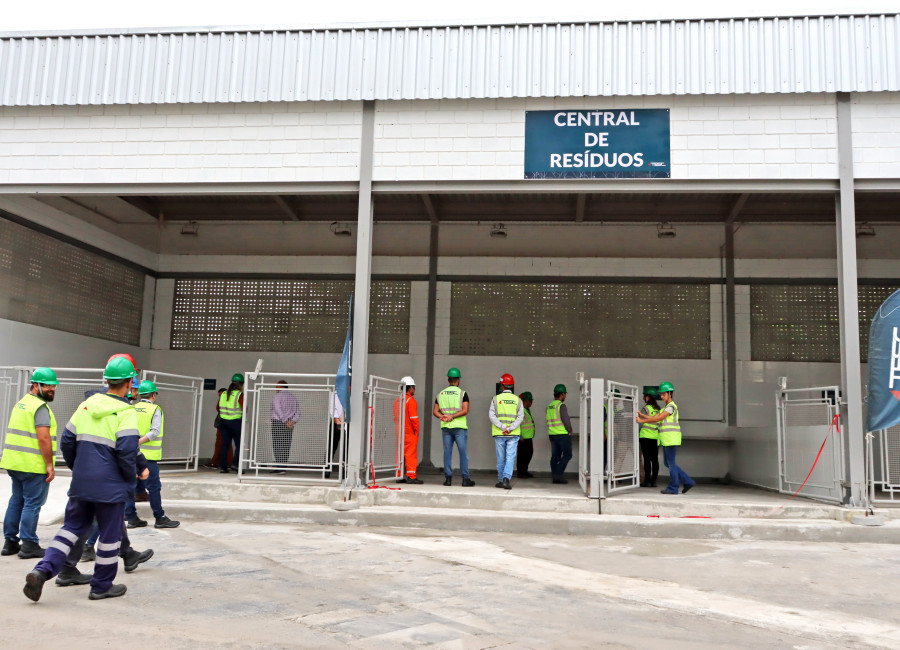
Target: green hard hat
{"x":560,"y":388}
{"x":238,"y":378}
{"x":119,"y":368}
{"x":44,"y":376}
{"x":453,"y":373}
{"x":666,"y":387}
{"x":652,"y":391}
{"x":146,"y":388}
{"x":527,"y":395}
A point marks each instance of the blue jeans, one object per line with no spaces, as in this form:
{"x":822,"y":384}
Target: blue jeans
{"x":29,"y":493}
{"x":676,"y":474}
{"x":506,"y":448}
{"x":460,"y":437}
{"x":560,"y":454}
{"x":154,"y":488}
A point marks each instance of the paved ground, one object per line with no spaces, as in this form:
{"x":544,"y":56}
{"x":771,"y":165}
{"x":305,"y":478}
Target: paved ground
{"x":234,"y":585}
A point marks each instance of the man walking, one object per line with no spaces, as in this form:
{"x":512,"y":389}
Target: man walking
{"x":150,"y":419}
{"x":29,"y":451}
{"x":506,"y":415}
{"x":559,"y":427}
{"x":285,"y":414}
{"x":100,"y":446}
{"x":526,"y":441}
{"x":451,"y":408}
{"x":410,"y":432}
{"x":669,"y":438}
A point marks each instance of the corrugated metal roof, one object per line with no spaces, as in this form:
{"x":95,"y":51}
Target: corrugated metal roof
{"x":765,"y":55}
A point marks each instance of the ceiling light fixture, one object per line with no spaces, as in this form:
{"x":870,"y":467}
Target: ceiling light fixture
{"x":864,"y":230}
{"x":341,"y":230}
{"x":191,"y":229}
{"x":665,"y":230}
{"x":499,"y":230}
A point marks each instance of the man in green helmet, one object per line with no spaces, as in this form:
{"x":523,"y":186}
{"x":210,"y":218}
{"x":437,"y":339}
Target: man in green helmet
{"x":559,"y":427}
{"x":669,"y":438}
{"x":28,"y":457}
{"x":451,"y":408}
{"x":150,"y":427}
{"x":231,"y":412}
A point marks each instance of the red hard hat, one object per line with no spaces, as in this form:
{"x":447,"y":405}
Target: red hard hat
{"x":507,"y":380}
{"x":126,"y":356}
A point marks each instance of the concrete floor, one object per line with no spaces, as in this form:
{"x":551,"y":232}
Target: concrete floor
{"x":237,"y":585}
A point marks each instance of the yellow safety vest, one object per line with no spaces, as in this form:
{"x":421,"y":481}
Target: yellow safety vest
{"x":527,"y":426}
{"x":555,"y":426}
{"x":450,"y":402}
{"x":121,"y":421}
{"x":650,"y":429}
{"x":21,"y":451}
{"x":230,"y":407}
{"x":152,"y":449}
{"x":670,"y":429}
{"x":506,"y":408}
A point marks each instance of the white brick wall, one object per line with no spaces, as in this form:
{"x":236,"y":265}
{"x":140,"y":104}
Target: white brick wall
{"x":277,"y":142}
{"x":876,"y":135}
{"x":714,"y":137}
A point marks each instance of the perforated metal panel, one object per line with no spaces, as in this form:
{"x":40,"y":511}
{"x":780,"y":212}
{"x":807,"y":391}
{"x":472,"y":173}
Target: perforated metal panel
{"x":801,"y":323}
{"x":50,"y":283}
{"x":580,"y":320}
{"x":285,"y":315}
{"x":891,"y":451}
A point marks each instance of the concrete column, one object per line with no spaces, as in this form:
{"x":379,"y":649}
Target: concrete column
{"x":425,"y":412}
{"x":360,"y":352}
{"x":730,"y":327}
{"x":848,"y":308}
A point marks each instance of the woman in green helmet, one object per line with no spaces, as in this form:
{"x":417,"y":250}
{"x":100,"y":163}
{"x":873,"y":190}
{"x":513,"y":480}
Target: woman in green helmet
{"x":231,"y":412}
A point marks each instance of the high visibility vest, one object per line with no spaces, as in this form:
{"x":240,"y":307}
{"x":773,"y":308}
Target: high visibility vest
{"x":527,"y":427}
{"x":450,"y":402}
{"x":106,"y":430}
{"x":21,"y":451}
{"x":506,"y":408}
{"x":555,"y":426}
{"x":230,"y":407}
{"x":670,"y":429}
{"x":650,"y":430}
{"x":152,"y":449}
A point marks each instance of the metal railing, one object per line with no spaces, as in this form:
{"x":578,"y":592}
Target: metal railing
{"x":386,"y":429}
{"x":180,"y":398}
{"x":883,"y":477}
{"x":622,"y":461}
{"x":13,"y":380}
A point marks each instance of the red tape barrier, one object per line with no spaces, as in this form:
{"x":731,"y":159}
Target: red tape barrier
{"x":835,"y":423}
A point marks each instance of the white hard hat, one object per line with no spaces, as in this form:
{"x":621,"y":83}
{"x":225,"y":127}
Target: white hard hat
{"x":409,"y":381}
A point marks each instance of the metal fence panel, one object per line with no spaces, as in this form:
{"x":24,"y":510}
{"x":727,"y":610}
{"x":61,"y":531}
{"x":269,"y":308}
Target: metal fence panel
{"x":884,"y":477}
{"x":622,"y":467}
{"x":13,"y":382}
{"x":75,"y":386}
{"x":387,"y":408}
{"x":180,"y":399}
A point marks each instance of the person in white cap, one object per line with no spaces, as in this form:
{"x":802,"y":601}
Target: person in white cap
{"x":410,"y":426}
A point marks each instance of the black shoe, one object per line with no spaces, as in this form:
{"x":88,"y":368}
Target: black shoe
{"x":402,"y":480}
{"x":449,"y":481}
{"x":506,"y":485}
{"x":524,"y":475}
{"x":68,"y":577}
{"x":645,"y":485}
{"x":415,"y":481}
{"x":136,"y":522}
{"x":224,"y":471}
{"x":467,"y":482}
{"x":498,"y":484}
{"x":88,"y":554}
{"x":685,"y":489}
{"x":34,"y":584}
{"x":113,"y":592}
{"x":561,"y":481}
{"x":133,"y":558}
{"x":30,"y":550}
{"x":667,"y":492}
{"x":10,"y":547}
{"x":165,"y":522}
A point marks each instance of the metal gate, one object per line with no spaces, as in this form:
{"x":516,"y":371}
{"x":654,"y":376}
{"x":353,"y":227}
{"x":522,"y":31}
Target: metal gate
{"x":384,"y":449}
{"x":804,"y":417}
{"x":884,"y":478}
{"x":590,"y":450}
{"x":622,"y":460}
{"x":75,"y":386}
{"x":180,"y":398}
{"x":308,"y":451}
{"x":13,"y":382}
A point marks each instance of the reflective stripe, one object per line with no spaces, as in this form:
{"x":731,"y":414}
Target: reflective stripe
{"x":19,"y":432}
{"x":127,"y":432}
{"x":24,"y":450}
{"x":107,"y":560}
{"x":102,"y":546}
{"x":60,"y":546}
{"x":100,"y":440}
{"x":72,"y":537}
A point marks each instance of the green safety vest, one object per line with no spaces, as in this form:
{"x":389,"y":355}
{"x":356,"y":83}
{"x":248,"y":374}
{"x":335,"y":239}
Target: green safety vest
{"x":650,"y":430}
{"x":669,"y":429}
{"x":450,"y":402}
{"x":152,"y":449}
{"x":21,"y":451}
{"x":506,"y":408}
{"x":527,"y":426}
{"x":230,"y":408}
{"x":555,"y":426}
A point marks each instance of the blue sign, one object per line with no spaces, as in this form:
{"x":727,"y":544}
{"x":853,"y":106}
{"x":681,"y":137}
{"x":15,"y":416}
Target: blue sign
{"x":884,"y":366}
{"x":597,"y":144}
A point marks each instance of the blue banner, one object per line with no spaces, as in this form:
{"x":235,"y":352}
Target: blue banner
{"x":597,"y":144}
{"x":884,"y":366}
{"x":345,"y":369}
